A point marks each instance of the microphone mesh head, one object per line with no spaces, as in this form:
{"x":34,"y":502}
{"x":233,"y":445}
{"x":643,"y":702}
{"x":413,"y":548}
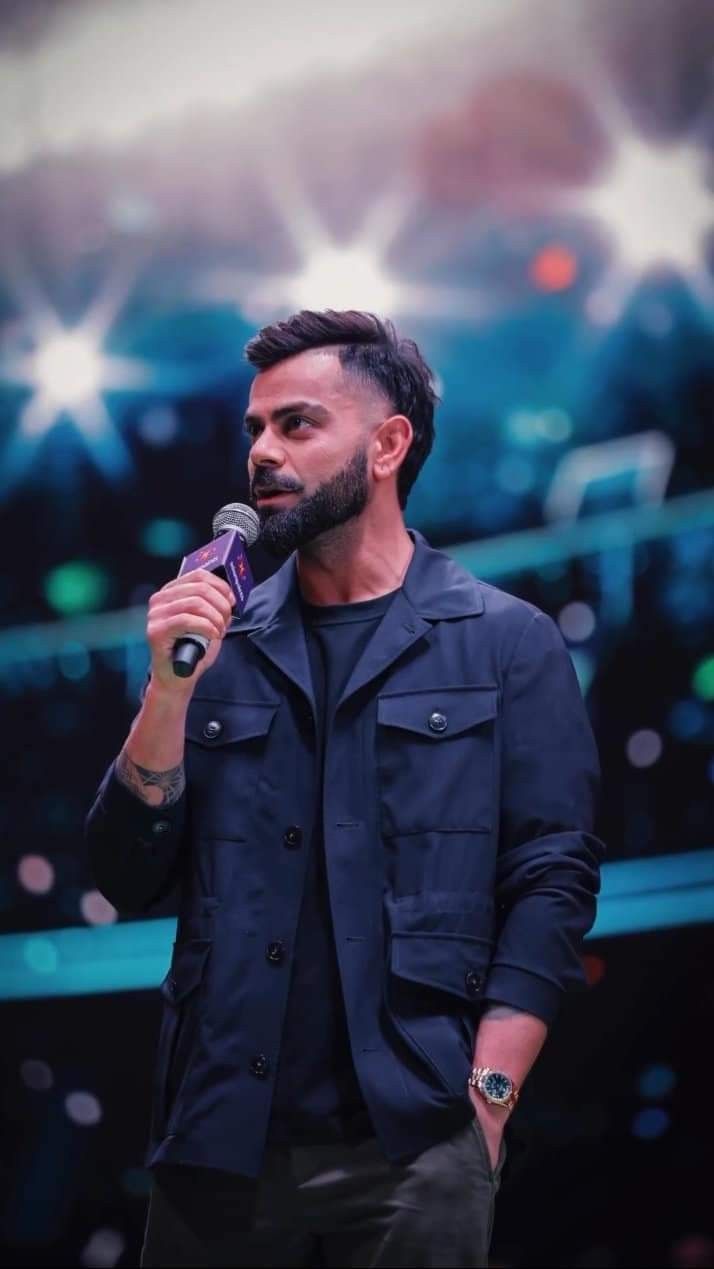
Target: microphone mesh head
{"x":236,"y":515}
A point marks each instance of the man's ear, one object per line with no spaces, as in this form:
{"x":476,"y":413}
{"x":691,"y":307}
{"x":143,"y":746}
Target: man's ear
{"x":391,"y":444}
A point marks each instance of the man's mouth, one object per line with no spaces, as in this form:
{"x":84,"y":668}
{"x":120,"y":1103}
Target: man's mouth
{"x":272,"y":495}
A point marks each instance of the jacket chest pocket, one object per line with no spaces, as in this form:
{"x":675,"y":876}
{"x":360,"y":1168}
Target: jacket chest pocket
{"x":227,"y":743}
{"x":436,"y":759}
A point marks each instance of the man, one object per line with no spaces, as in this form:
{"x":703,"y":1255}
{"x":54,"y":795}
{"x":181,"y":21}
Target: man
{"x":376,"y":797}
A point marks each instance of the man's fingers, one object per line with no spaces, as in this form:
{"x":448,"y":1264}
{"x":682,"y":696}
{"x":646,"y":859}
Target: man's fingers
{"x":215,"y":607}
{"x":188,"y":592}
{"x":199,"y":578}
{"x":159,"y":631}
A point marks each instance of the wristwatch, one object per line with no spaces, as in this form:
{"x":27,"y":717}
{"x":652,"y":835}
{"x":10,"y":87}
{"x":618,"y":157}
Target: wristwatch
{"x":494,"y":1086}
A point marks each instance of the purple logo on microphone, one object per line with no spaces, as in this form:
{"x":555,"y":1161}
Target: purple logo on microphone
{"x":226,"y":555}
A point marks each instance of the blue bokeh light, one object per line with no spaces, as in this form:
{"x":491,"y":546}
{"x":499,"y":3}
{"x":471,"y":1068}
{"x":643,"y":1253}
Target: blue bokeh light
{"x":656,"y":1081}
{"x":651,"y":1123}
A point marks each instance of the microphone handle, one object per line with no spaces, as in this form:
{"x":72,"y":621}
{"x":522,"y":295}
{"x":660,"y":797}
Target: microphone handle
{"x":190,"y":648}
{"x":187,"y":652}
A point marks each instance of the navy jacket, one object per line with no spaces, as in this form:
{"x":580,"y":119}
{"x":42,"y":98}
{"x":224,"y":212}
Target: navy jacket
{"x":460,"y":777}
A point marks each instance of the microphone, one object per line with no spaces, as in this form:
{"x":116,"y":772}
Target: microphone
{"x":235,"y":527}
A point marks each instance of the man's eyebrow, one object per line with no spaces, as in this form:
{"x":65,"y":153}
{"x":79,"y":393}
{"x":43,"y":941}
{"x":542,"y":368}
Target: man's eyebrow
{"x":293,"y":407}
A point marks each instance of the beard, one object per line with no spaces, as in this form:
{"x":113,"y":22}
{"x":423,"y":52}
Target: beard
{"x":333,"y":503}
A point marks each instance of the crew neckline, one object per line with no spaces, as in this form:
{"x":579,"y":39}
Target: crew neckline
{"x":359,"y":610}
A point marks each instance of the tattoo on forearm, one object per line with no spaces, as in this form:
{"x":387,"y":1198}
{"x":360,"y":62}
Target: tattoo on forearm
{"x":156,"y":788}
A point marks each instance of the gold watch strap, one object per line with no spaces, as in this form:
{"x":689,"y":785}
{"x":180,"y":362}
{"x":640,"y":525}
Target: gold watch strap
{"x":477,"y":1073}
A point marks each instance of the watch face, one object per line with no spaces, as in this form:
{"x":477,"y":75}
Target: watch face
{"x":496,"y":1085}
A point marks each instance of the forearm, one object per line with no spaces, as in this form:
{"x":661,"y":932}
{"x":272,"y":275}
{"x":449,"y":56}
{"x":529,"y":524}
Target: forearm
{"x":134,"y":847}
{"x":150,"y":764}
{"x":509,"y":1040}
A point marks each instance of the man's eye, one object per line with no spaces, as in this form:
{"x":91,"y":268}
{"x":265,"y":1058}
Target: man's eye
{"x":298,"y":419}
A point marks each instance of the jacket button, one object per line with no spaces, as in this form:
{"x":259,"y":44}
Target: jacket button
{"x":213,"y":729}
{"x":292,"y":837}
{"x":275,"y":952}
{"x":160,"y":826}
{"x":437,"y":722}
{"x":474,"y":982}
{"x":260,"y":1066}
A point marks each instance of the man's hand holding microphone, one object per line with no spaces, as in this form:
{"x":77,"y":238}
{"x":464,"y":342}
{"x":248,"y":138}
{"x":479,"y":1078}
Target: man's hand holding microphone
{"x":186,"y":624}
{"x":199,"y":602}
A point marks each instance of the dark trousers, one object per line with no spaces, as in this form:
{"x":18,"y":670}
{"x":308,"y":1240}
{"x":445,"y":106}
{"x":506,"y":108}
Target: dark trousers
{"x":330,"y":1205}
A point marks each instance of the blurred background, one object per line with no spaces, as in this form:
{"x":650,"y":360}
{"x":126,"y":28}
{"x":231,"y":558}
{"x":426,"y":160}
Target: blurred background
{"x":527,"y":189}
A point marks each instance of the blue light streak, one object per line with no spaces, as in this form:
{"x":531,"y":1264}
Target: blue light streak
{"x":637,"y":895}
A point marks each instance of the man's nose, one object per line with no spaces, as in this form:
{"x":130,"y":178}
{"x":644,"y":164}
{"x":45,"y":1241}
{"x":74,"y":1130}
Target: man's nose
{"x":266,"y":451}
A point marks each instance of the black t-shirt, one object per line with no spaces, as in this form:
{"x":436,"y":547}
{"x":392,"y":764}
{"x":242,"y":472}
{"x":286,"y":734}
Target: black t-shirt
{"x":317,"y":1095}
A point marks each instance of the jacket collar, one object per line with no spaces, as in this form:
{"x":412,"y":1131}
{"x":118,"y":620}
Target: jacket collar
{"x":435,"y":588}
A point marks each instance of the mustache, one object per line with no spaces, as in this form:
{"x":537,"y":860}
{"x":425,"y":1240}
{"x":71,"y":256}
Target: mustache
{"x":265,"y":482}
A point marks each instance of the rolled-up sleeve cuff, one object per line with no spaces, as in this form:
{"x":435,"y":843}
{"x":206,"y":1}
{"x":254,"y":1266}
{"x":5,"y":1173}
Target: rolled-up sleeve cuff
{"x":510,"y":985}
{"x":132,"y":848}
{"x":126,"y":812}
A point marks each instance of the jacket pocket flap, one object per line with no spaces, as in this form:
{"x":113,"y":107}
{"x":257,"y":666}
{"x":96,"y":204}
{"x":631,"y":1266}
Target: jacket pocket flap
{"x":455,"y":963}
{"x":438,"y":712}
{"x":215,"y":723}
{"x":187,"y":966}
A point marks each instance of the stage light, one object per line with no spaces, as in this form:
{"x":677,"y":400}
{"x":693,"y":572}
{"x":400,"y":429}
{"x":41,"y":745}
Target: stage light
{"x":594,"y":967}
{"x":554,"y":425}
{"x":554,"y":268}
{"x":158,"y":426}
{"x":36,"y":874}
{"x":96,"y":910}
{"x":68,"y":369}
{"x":166,"y":537}
{"x":703,"y":679}
{"x":576,"y":621}
{"x":650,"y":1124}
{"x":343,"y":277}
{"x":36,"y":1075}
{"x":76,"y":587}
{"x":531,"y":427}
{"x":656,"y":1081}
{"x":83,"y":1108}
{"x":687,"y":719}
{"x":655,"y":204}
{"x":40,"y":954}
{"x":644,"y":747}
{"x":103,"y":1250}
{"x":66,"y":373}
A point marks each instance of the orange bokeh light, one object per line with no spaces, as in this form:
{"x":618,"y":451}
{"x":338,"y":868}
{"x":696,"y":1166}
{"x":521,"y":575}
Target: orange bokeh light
{"x":554,"y":268}
{"x":594,"y":967}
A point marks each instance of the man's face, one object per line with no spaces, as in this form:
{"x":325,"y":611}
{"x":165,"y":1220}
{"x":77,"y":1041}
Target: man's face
{"x":309,"y":425}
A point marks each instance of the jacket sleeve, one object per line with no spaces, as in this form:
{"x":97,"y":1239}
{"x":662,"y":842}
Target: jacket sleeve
{"x":547,"y":873}
{"x":134,"y":849}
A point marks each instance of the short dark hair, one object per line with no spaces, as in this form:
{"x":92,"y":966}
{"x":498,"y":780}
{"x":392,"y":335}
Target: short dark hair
{"x":371,"y":349}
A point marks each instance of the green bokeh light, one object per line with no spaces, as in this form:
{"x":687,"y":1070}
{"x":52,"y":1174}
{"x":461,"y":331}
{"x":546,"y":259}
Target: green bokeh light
{"x":703,"y":679}
{"x":76,"y":587}
{"x":166,"y":537}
